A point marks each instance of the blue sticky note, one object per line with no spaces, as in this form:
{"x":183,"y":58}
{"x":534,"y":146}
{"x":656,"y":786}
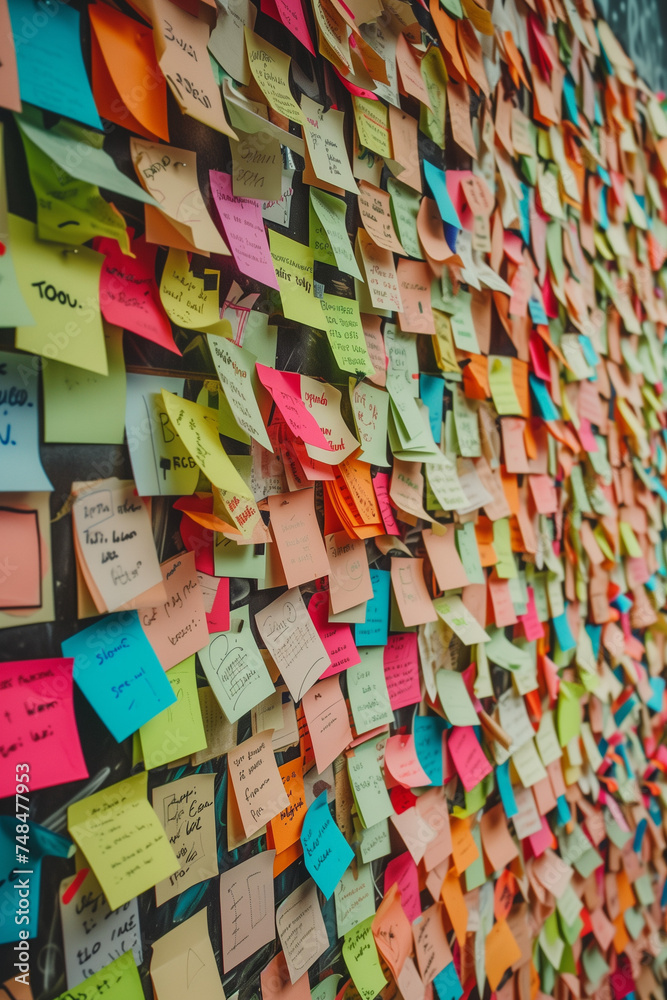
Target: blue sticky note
{"x":545,"y":404}
{"x":19,"y":880}
{"x":431,"y":390}
{"x":594,"y":634}
{"x":603,"y":215}
{"x":51,"y":70}
{"x":118,"y":672}
{"x":570,"y":99}
{"x":657,"y":698}
{"x":589,"y":351}
{"x":326,"y":852}
{"x":524,"y":210}
{"x":447,"y":983}
{"x":564,"y":811}
{"x":19,"y":427}
{"x":428,"y":730}
{"x":639,"y":835}
{"x":538,"y":312}
{"x":437,"y":181}
{"x":505,"y":789}
{"x":563,"y":632}
{"x":375,"y":630}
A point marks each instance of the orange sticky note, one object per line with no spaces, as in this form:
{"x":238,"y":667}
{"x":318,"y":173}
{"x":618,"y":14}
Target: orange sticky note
{"x":464,"y":848}
{"x":501,"y":952}
{"x":452,"y":897}
{"x":286,"y":826}
{"x":128,"y":85}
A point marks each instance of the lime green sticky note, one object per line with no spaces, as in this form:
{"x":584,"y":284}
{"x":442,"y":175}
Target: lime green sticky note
{"x":455,"y":699}
{"x":14,"y":309}
{"x":502,"y":543}
{"x":61,"y":290}
{"x":330,"y":213}
{"x":466,"y":545}
{"x":629,"y":540}
{"x":475,"y":875}
{"x":179,"y":730}
{"x":242,"y":561}
{"x":502,"y":386}
{"x":70,"y":210}
{"x":293,"y":264}
{"x":122,"y":838}
{"x":117,"y":981}
{"x":362,"y":960}
{"x":346,"y":334}
{"x":463,"y":326}
{"x":434,"y":75}
{"x":372,"y":121}
{"x":81,"y":407}
{"x":318,"y":238}
{"x":568,"y":714}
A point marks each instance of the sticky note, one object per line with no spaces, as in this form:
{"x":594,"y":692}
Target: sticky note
{"x":326,"y":852}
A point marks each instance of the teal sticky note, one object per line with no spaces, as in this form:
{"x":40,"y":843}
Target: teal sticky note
{"x":506,"y":790}
{"x":39,"y":843}
{"x":431,"y":390}
{"x":375,"y":630}
{"x":118,"y":672}
{"x":52,"y":73}
{"x":428,"y":730}
{"x":447,"y":983}
{"x":437,"y":181}
{"x":563,"y":632}
{"x":656,"y":700}
{"x":325,"y":850}
{"x":543,"y":401}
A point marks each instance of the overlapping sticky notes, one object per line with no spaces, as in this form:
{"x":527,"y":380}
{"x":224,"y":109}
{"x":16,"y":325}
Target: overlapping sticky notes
{"x":185,"y":808}
{"x":118,"y":672}
{"x":177,"y":627}
{"x":179,"y":729}
{"x":235,"y":670}
{"x":51,"y":69}
{"x":161,"y":463}
{"x":126,"y":73}
{"x":244,"y":228}
{"x":270,"y":68}
{"x":183,"y":962}
{"x":292,"y":640}
{"x":258,"y":787}
{"x":115,"y":544}
{"x":368,"y":785}
{"x":118,"y":979}
{"x":24,"y":849}
{"x":297,"y":536}
{"x":325,"y":851}
{"x":169,"y":174}
{"x":129,"y":864}
{"x":301,"y":929}
{"x":367,"y":691}
{"x":247,"y":909}
{"x":85,"y":913}
{"x":39,"y":733}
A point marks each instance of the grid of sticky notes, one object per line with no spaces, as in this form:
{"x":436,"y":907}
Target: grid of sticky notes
{"x":371,"y":298}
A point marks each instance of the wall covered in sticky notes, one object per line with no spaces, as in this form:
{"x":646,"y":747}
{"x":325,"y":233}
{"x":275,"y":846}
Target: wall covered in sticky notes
{"x":333,"y":472}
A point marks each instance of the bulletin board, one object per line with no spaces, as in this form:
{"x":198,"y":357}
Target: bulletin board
{"x":399,"y":333}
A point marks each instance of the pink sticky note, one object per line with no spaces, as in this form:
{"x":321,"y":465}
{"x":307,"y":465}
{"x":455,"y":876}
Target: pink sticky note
{"x":402,"y":871}
{"x":244,"y":228}
{"x":21,"y":548}
{"x":290,"y":13}
{"x":129,"y":295}
{"x":541,"y":840}
{"x":381,"y":487}
{"x":586,"y":435}
{"x":401,"y":669}
{"x":400,"y":759}
{"x":177,"y":628}
{"x":285,"y":389}
{"x":544,"y":494}
{"x":501,"y":602}
{"x":336,"y":637}
{"x":532,"y":625}
{"x":468,"y":756}
{"x":328,"y":721}
{"x":38,"y":725}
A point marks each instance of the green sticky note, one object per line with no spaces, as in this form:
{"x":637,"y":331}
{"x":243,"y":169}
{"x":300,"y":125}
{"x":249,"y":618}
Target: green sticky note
{"x":434,"y":74}
{"x":293,"y":264}
{"x":475,"y":874}
{"x":463,"y":327}
{"x":502,"y":543}
{"x":466,"y":545}
{"x":375,"y":842}
{"x":405,"y":202}
{"x":362,"y":960}
{"x":568,"y":715}
{"x":367,"y":690}
{"x":455,"y":699}
{"x":81,"y":407}
{"x":368,"y":788}
{"x":117,"y":981}
{"x":502,"y":386}
{"x":330,"y":213}
{"x":179,"y":730}
{"x":345,"y":332}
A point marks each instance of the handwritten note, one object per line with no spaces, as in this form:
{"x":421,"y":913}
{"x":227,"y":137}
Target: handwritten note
{"x":183,"y":963}
{"x":325,"y":850}
{"x":291,"y":638}
{"x":244,"y":228}
{"x":177,"y":628}
{"x":122,"y":839}
{"x":185,"y":809}
{"x":257,"y":783}
{"x":235,"y":670}
{"x":39,"y":727}
{"x":247,"y":909}
{"x":301,"y":929}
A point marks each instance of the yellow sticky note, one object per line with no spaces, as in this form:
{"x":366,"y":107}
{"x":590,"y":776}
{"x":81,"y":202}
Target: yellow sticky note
{"x":372,"y":120}
{"x":270,"y":68}
{"x":361,"y":958}
{"x":189,"y":301}
{"x":197,"y":427}
{"x":61,"y":290}
{"x":293,"y":264}
{"x":122,"y":839}
{"x":502,"y":386}
{"x":346,"y":334}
